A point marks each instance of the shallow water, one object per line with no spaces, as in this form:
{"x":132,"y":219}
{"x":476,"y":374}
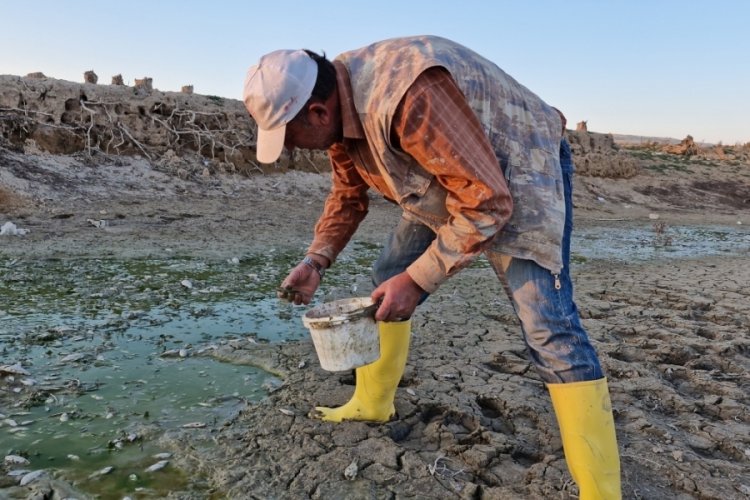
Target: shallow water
{"x":658,"y":241}
{"x":113,"y":350}
{"x":106,"y":409}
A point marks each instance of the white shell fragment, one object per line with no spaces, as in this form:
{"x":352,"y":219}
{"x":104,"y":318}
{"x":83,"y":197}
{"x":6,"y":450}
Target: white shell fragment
{"x":186,"y":283}
{"x":287,"y":412}
{"x":12,"y":230}
{"x":157,"y":466}
{"x":351,"y":470}
{"x":98,"y":223}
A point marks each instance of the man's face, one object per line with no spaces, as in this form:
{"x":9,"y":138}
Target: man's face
{"x":314,"y":129}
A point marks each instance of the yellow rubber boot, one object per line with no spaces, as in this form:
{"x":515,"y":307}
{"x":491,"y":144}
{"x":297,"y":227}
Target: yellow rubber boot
{"x":584,"y":414}
{"x":376,"y":383}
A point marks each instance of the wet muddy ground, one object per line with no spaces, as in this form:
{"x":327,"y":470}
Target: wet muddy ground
{"x":156,"y":337}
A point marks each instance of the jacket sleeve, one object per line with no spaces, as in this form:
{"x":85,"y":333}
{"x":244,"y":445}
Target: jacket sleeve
{"x":345,"y":206}
{"x":435,"y":125}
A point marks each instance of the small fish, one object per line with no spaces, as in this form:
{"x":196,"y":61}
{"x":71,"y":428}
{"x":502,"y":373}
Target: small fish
{"x":18,"y":472}
{"x":15,"y":369}
{"x":16,"y":460}
{"x":194,"y":425}
{"x":157,"y":466}
{"x":74,"y":357}
{"x":162,"y":456}
{"x":31,"y":477}
{"x":287,"y":412}
{"x":102,"y":472}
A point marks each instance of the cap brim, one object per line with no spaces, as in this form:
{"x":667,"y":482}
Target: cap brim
{"x":270,"y":144}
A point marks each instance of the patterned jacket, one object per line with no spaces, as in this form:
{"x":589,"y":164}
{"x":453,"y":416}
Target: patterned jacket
{"x":524,"y":133}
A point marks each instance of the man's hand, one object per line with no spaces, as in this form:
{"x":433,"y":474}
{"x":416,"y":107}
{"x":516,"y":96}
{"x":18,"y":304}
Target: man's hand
{"x":300,"y":285}
{"x":399,"y":295}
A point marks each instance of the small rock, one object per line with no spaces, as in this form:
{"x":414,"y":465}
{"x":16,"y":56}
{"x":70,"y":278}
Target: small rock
{"x":653,"y":216}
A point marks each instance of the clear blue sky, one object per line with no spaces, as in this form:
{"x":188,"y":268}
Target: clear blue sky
{"x":643,"y":67}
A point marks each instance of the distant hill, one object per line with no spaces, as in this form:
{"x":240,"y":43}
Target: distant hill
{"x":640,"y":139}
{"x":643,"y":139}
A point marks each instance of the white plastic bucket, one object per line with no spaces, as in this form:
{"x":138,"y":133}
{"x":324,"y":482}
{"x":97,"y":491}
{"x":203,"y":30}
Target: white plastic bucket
{"x":345,"y":333}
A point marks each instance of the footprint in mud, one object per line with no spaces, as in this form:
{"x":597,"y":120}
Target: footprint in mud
{"x":438,"y":425}
{"x":509,"y":362}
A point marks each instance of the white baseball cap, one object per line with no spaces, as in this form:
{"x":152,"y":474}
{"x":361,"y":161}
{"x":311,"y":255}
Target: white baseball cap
{"x":275,"y":90}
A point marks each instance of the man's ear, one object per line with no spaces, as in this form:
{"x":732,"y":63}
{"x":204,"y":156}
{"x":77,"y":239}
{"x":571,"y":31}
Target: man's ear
{"x":318,"y":113}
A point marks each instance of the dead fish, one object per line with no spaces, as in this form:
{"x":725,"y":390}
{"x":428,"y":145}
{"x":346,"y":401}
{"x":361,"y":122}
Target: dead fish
{"x":194,"y":425}
{"x":157,"y":466}
{"x":102,"y":472}
{"x":14,"y":369}
{"x":31,"y":477}
{"x":174,"y":353}
{"x":351,"y":470}
{"x":74,"y":357}
{"x":162,"y":456}
{"x":18,"y":472}
{"x":16,"y":460}
{"x":287,"y":412}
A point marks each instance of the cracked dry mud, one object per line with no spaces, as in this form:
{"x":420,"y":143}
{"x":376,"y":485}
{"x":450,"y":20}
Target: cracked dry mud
{"x":474,"y":419}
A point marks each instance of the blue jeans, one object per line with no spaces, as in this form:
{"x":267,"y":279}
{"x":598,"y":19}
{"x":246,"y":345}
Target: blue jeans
{"x":557,"y":342}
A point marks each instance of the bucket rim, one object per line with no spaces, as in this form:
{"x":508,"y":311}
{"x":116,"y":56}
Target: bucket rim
{"x":331,"y":320}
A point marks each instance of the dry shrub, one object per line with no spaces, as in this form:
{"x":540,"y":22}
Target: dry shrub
{"x":612,"y":166}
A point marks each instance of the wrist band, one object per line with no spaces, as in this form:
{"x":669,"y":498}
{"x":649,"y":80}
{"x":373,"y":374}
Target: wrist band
{"x":309,"y":262}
